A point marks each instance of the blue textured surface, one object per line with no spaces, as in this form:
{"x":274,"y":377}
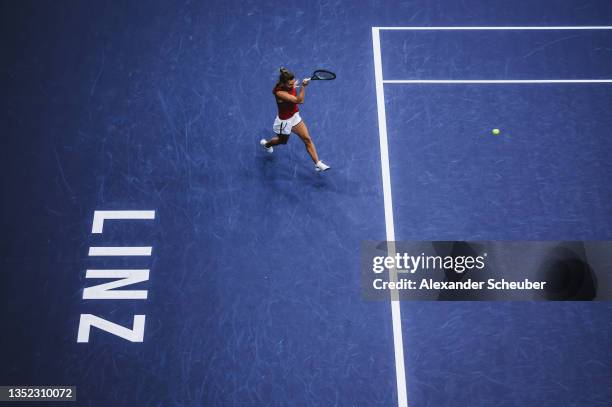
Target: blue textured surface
{"x":254,"y":294}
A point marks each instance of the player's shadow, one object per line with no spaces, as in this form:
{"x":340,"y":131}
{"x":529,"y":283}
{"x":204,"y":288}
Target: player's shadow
{"x":290,"y":164}
{"x":459,"y":249}
{"x":568,"y":275}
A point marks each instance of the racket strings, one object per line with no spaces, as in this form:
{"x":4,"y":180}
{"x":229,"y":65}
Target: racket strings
{"x":323,"y":75}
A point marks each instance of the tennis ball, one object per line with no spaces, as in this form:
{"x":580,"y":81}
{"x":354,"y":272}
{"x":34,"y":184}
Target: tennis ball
{"x":495,"y":132}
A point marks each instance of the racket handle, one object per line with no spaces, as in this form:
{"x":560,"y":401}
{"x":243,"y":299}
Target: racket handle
{"x":298,"y":83}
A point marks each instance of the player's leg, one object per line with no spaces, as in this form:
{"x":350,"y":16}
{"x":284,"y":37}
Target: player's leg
{"x":302,"y":131}
{"x":278,"y":139}
{"x":282,"y":130}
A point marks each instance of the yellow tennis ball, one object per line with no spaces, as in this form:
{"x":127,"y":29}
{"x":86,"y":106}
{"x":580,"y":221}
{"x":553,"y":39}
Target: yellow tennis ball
{"x":496,"y":132}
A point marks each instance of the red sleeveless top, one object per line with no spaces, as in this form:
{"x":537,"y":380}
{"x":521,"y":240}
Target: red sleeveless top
{"x":285,"y":109}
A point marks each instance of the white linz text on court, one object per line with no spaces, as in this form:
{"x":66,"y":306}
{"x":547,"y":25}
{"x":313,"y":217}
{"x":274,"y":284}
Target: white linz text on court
{"x":122,"y":278}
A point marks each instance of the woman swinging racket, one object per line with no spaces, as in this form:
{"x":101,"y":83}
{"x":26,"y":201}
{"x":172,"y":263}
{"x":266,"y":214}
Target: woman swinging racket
{"x":288,"y":119}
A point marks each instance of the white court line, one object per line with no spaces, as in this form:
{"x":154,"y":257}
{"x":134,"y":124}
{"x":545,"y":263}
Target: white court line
{"x":400,"y":370}
{"x":396,"y":316}
{"x":120,"y":251}
{"x":495,"y":81}
{"x":595,"y":27}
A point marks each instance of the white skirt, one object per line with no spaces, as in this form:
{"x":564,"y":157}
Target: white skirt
{"x":285,"y":126}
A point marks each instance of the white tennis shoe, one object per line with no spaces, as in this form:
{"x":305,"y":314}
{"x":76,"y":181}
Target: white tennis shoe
{"x":263,"y":143}
{"x":321,"y":166}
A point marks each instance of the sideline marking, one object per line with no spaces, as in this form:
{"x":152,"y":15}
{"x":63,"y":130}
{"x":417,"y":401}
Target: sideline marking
{"x":396,"y":316}
{"x":495,"y":81}
{"x":594,"y":27}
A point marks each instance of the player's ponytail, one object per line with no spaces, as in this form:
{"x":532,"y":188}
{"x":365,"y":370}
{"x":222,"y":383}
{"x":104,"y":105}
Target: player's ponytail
{"x":285,"y":75}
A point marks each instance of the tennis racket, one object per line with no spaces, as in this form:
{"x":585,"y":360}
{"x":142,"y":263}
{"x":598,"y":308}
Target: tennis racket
{"x":322,"y":75}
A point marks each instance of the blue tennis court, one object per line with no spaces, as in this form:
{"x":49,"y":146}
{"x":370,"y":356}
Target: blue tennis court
{"x":247,"y":290}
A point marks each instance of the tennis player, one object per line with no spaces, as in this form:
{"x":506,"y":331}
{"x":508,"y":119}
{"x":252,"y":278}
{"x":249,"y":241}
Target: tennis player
{"x":288,"y":120}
